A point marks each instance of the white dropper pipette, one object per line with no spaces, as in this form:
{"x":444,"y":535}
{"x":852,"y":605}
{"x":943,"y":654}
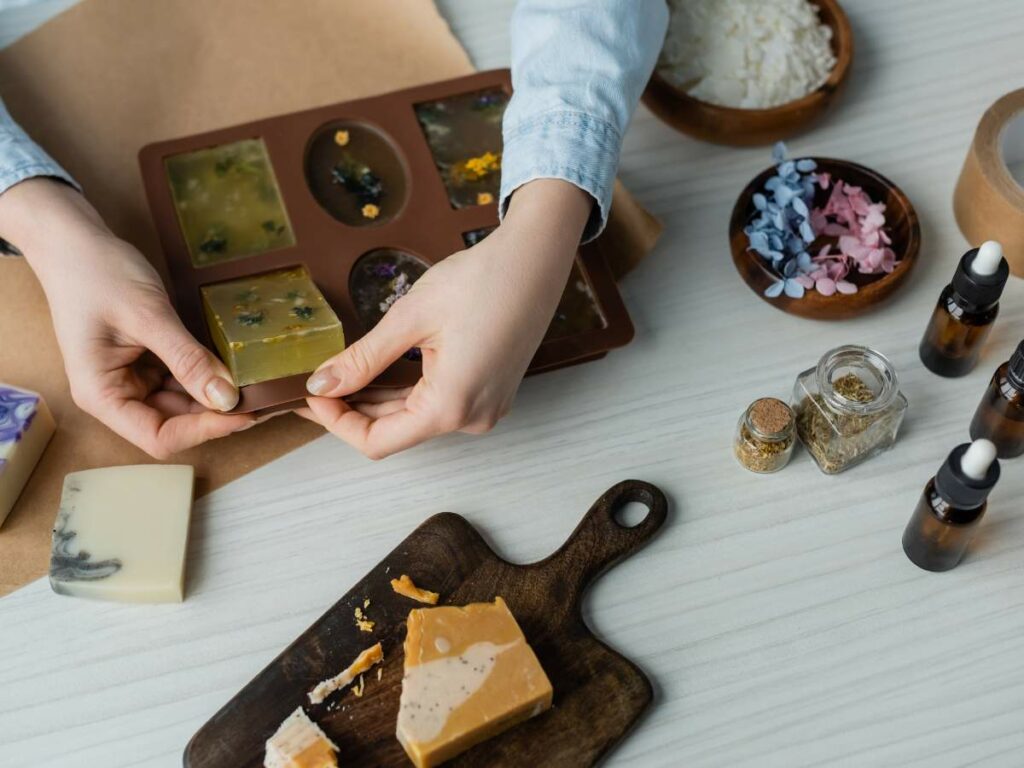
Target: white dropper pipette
{"x":978,"y":458}
{"x":990,"y":256}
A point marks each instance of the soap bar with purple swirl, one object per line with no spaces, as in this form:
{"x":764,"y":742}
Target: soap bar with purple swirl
{"x":26,"y":426}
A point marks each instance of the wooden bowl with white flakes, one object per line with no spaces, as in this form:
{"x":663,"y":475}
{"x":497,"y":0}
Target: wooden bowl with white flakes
{"x":732,"y":80}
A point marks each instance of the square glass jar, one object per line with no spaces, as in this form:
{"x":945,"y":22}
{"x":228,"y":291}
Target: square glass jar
{"x":849,"y":407}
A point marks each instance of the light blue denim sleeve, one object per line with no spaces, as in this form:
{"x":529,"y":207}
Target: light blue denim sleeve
{"x":578,"y":69}
{"x":21,"y":158}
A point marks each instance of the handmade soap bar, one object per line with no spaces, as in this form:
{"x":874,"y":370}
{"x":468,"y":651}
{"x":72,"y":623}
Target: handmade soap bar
{"x":272,"y":325}
{"x":469,"y":675}
{"x":299,"y":743}
{"x":26,"y":426}
{"x":121,"y":534}
{"x":464,"y":134}
{"x":228,"y":203}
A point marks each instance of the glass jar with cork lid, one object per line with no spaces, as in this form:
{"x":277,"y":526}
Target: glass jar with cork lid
{"x":765,"y":436}
{"x":848,"y":407}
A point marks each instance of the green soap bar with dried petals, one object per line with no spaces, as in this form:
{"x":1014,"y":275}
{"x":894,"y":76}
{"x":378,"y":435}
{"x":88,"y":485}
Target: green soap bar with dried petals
{"x":228,"y":202}
{"x":272,"y":325}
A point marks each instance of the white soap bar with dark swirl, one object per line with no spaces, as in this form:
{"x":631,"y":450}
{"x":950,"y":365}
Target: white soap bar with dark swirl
{"x":26,"y":426}
{"x":121,"y":534}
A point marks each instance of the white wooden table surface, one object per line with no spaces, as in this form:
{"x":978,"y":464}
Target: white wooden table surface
{"x":777,"y":616}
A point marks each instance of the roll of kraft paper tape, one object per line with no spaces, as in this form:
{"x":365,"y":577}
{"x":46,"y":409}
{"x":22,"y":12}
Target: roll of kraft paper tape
{"x":989,"y":196}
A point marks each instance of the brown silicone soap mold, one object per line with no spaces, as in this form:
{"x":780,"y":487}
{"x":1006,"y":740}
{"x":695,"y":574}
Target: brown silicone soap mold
{"x":416,"y":219}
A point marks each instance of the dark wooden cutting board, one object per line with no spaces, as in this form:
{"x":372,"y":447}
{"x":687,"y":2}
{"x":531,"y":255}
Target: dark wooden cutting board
{"x":599,"y":694}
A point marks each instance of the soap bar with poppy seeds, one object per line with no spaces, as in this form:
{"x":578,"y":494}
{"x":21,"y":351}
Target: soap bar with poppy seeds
{"x":469,"y":676}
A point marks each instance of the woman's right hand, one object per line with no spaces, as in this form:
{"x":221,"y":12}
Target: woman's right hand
{"x":129,"y":360}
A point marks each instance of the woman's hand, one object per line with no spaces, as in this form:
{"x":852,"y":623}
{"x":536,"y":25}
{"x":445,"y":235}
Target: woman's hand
{"x":477,"y":317}
{"x":116,"y":328}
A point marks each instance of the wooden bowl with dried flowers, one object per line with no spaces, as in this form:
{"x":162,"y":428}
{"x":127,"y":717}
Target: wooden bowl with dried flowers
{"x":739,"y":127}
{"x":823,"y":238}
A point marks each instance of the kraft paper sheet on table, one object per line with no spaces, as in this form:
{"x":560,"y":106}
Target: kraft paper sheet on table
{"x":106,"y":77}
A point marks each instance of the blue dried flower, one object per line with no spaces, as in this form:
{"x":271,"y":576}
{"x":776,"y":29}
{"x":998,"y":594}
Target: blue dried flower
{"x":780,"y":229}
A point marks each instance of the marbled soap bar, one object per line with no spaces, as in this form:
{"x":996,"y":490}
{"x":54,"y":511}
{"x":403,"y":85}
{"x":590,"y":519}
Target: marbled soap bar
{"x":469,"y":675}
{"x":121,"y":534}
{"x":299,"y":743}
{"x":228,"y":202}
{"x":26,"y":426}
{"x":272,"y":325}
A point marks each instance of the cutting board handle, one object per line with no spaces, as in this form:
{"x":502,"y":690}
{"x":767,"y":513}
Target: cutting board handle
{"x":601,"y":540}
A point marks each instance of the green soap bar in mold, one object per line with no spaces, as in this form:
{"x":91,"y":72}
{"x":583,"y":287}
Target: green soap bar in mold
{"x":272,"y":325}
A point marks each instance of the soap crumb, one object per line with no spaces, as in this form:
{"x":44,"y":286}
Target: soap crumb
{"x":404,"y":586}
{"x":341,"y":138}
{"x":380,"y":672}
{"x":363,"y":621}
{"x":370,"y":211}
{"x":357,"y":689}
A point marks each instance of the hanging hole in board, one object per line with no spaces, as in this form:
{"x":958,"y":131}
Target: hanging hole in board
{"x":631,"y":514}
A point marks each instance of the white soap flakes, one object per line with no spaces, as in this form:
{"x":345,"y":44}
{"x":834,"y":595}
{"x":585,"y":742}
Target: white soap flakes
{"x":750,"y":54}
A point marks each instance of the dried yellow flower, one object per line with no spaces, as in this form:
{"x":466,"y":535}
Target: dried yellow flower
{"x":341,"y":138}
{"x":371,"y":211}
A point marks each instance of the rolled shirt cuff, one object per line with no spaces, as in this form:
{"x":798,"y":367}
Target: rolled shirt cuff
{"x":21,"y":158}
{"x":573,"y":146}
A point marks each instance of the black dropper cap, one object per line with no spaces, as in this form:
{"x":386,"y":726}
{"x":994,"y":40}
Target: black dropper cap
{"x":960,"y":489}
{"x":1015,"y":368}
{"x":979,"y":290}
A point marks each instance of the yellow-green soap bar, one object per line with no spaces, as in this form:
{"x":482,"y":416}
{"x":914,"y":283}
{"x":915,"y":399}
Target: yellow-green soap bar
{"x":272,"y":325}
{"x":228,"y":202}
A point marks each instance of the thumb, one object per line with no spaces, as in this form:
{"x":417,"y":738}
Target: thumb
{"x":360,"y":363}
{"x":195,"y":367}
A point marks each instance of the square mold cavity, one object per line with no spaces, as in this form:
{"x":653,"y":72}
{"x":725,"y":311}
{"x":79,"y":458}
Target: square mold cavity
{"x":464,"y":134}
{"x":228,"y":202}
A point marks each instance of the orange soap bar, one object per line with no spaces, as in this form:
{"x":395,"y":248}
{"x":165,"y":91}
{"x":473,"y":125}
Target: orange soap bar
{"x":469,"y":675}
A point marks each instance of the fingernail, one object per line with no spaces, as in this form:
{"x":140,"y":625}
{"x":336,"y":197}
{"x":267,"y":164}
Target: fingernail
{"x":322,"y":381}
{"x":222,"y":394}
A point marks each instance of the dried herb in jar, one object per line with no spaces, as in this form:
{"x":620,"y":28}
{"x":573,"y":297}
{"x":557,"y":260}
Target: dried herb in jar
{"x":764,"y":436}
{"x":849,"y":408}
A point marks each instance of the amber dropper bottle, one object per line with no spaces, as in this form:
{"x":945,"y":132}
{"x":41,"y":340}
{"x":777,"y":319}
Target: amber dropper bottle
{"x":1000,"y":414}
{"x":951,"y":507}
{"x":965,"y":312}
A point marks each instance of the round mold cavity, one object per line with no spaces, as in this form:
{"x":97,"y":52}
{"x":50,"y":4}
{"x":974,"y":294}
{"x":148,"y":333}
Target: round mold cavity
{"x":356,"y":174}
{"x":379,"y":278}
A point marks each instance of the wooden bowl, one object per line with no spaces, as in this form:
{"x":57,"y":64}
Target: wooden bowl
{"x":751,"y":127}
{"x":901,"y":223}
